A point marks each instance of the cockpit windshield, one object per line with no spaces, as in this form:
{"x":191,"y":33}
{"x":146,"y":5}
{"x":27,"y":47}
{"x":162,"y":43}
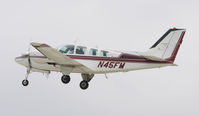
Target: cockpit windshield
{"x":68,"y":49}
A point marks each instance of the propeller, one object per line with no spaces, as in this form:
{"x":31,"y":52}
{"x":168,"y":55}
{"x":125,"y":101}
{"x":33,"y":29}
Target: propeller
{"x":29,"y":62}
{"x":28,"y":56}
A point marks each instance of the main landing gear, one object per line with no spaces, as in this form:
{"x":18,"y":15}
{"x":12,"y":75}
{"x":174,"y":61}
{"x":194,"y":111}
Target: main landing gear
{"x":65,"y":79}
{"x":83,"y":84}
{"x":86,"y":79}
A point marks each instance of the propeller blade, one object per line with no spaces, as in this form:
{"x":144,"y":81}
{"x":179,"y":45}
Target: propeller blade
{"x":29,"y":62}
{"x":28,"y":55}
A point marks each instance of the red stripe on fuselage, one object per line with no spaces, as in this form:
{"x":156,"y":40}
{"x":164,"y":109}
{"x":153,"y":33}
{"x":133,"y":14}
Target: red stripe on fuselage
{"x":77,"y":57}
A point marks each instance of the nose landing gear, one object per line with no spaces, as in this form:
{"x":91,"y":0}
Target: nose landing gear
{"x":25,"y":82}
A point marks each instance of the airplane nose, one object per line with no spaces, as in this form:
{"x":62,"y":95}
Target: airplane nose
{"x":21,"y":60}
{"x":18,"y":59}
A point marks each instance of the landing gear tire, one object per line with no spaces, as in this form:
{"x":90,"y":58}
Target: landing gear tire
{"x":65,"y":79}
{"x":83,"y":85}
{"x":25,"y":82}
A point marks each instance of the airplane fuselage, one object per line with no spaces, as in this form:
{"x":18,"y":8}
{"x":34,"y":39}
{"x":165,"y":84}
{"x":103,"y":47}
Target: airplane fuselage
{"x":97,"y":64}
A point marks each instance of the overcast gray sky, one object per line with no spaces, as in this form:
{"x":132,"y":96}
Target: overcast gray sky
{"x":115,"y":24}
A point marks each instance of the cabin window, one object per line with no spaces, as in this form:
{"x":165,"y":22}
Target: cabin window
{"x":69,"y":49}
{"x":103,"y":53}
{"x":93,"y":52}
{"x":80,"y":50}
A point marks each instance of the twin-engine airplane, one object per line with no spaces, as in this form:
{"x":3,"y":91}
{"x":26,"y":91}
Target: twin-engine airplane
{"x":89,"y":61}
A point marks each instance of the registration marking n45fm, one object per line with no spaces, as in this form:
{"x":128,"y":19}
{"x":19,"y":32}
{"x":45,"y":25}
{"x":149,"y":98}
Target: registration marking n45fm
{"x":111,"y":64}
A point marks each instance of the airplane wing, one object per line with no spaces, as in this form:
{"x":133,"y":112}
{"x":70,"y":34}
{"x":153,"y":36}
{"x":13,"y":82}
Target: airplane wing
{"x":61,"y":59}
{"x":53,"y":54}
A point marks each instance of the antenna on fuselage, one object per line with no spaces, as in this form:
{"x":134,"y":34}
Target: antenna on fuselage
{"x":76,"y":40}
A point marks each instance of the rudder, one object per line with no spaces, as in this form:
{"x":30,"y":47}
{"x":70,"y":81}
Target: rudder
{"x":166,"y":48}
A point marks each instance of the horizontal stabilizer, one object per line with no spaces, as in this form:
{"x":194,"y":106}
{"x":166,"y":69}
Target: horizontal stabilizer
{"x":153,"y":58}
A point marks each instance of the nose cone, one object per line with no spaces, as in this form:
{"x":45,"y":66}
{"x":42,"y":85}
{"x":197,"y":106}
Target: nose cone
{"x":21,"y":60}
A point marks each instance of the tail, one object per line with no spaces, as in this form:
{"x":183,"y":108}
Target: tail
{"x":166,"y":48}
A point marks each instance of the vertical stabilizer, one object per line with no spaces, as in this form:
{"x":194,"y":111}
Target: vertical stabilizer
{"x":166,"y":48}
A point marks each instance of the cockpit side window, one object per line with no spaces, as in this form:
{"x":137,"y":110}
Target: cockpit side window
{"x":80,"y":50}
{"x":93,"y":52}
{"x":103,"y":53}
{"x":69,"y":49}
